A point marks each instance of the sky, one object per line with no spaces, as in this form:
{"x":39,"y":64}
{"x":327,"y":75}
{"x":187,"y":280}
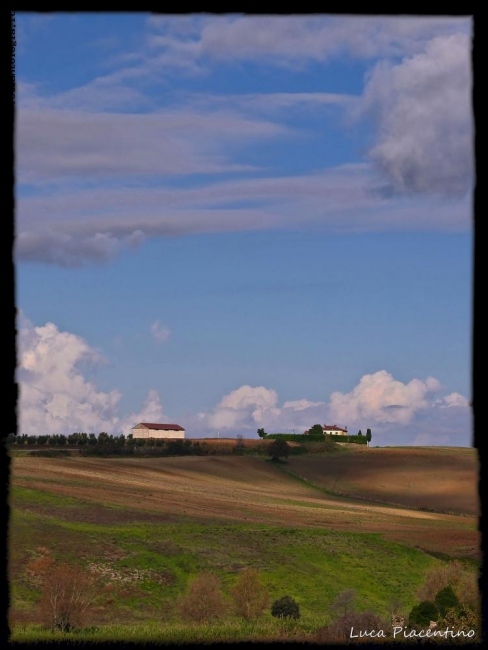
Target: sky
{"x":233,"y":222}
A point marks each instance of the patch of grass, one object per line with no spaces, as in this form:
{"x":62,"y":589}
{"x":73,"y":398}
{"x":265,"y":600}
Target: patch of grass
{"x":312,"y":565}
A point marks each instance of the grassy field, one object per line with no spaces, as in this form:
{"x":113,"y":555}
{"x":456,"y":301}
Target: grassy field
{"x":147,"y":525}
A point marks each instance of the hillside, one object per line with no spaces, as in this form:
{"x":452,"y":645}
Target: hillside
{"x":444,"y":479}
{"x":246,"y":489}
{"x":147,"y":525}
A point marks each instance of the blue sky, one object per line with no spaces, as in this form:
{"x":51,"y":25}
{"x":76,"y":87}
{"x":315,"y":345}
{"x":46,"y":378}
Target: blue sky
{"x":233,"y":222}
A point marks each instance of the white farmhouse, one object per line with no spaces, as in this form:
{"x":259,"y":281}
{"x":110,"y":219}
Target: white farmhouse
{"x":154,"y":430}
{"x":334,"y":430}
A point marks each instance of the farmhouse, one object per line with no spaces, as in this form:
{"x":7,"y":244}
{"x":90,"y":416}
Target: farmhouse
{"x":334,"y":430}
{"x":154,"y":430}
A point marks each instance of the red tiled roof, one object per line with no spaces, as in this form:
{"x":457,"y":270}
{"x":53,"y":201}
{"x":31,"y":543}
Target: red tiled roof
{"x":163,"y":427}
{"x":334,"y":427}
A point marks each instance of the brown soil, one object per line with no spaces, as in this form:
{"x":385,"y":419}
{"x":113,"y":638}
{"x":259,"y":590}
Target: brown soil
{"x":434,"y":478}
{"x":244,"y":489}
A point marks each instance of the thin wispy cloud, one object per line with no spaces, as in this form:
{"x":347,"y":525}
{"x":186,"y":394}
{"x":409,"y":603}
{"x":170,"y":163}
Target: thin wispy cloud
{"x":159,"y":333}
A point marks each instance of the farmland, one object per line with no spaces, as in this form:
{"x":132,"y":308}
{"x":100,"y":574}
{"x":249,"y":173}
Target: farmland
{"x":314,"y":526}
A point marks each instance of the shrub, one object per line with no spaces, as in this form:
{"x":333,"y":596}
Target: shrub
{"x":278,"y":448}
{"x":203,"y":602}
{"x":285,"y":607}
{"x":463,"y":580}
{"x":339,"y":631}
{"x":422,"y":614}
{"x":249,"y":595}
{"x":463,"y":618}
{"x":67,"y":592}
{"x":446,"y":599}
{"x":345,"y":602}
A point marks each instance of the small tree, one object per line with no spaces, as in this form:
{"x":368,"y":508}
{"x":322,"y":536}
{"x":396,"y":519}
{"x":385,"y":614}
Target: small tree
{"x":67,"y":592}
{"x":422,"y":614}
{"x":278,"y":448}
{"x":240,"y":442}
{"x":446,"y":599}
{"x":368,"y":436}
{"x":203,"y":602}
{"x":285,"y":607}
{"x":249,"y":595}
{"x":316,"y":430}
{"x":360,"y":433}
{"x":262,"y":433}
{"x":345,"y":602}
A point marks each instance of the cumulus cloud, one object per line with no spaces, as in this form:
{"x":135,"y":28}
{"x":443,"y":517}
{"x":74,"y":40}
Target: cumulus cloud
{"x":424,"y":115}
{"x":379,"y":398}
{"x":251,"y":407}
{"x":151,"y":411}
{"x":242,"y":406}
{"x":397,"y":412}
{"x":452,"y":400}
{"x":54,"y":395}
{"x":159,"y":333}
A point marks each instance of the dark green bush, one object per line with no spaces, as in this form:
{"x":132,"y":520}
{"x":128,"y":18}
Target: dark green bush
{"x":285,"y":607}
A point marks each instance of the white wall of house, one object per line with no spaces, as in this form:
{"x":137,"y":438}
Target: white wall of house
{"x":334,"y":432}
{"x":143,"y":432}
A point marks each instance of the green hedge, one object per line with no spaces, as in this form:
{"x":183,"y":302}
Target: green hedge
{"x":303,"y":438}
{"x":294,"y":437}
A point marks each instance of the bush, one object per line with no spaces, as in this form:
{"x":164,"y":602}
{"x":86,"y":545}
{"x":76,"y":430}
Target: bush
{"x":446,"y":599}
{"x":462,"y":579}
{"x":422,"y":614}
{"x":339,"y":631}
{"x":285,"y":607}
{"x":67,"y":592}
{"x":249,"y":595}
{"x":203,"y":602}
{"x":345,"y":602}
{"x":278,"y":448}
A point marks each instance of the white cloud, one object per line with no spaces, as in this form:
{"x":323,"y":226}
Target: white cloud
{"x":54,"y":395}
{"x":378,"y":398}
{"x":152,"y":411}
{"x":242,"y":406}
{"x":53,"y":144}
{"x":291,"y":40}
{"x":249,"y":408}
{"x":396,"y":412}
{"x":76,"y":227}
{"x":159,"y":333}
{"x":301,"y":404}
{"x":425,"y":118}
{"x":452,"y":400}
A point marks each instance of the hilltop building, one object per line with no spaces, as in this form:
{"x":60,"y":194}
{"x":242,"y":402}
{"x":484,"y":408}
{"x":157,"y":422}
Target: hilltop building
{"x":334,"y":430}
{"x":155,"y":430}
